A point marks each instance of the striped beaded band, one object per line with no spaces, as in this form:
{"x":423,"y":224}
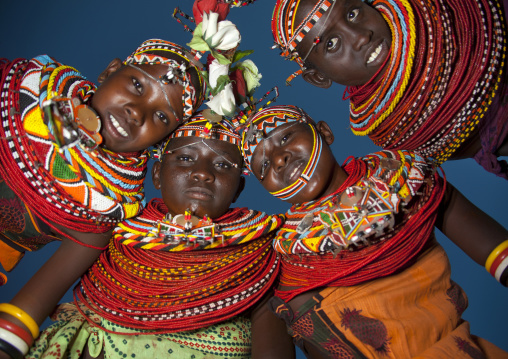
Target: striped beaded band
{"x":497,"y":263}
{"x":201,"y":127}
{"x":264,"y":122}
{"x":286,"y":36}
{"x":156,"y":51}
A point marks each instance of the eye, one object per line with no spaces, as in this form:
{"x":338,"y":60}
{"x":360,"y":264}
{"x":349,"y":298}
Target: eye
{"x":284,"y":139}
{"x":137,"y":85}
{"x":184,"y":158}
{"x":353,"y":14}
{"x":223,"y":165}
{"x":332,"y":43}
{"x":162,"y":117}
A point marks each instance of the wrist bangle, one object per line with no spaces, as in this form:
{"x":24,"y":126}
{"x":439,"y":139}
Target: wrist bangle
{"x":22,"y":316}
{"x":14,"y":340}
{"x":10,"y":350}
{"x":497,"y":263}
{"x":16,"y":329}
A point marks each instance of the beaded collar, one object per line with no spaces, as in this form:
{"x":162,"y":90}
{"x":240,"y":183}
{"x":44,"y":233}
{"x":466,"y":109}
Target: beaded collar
{"x":86,"y":190}
{"x":153,"y":231}
{"x":359,"y":212}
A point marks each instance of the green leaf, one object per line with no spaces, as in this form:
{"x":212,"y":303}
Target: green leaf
{"x":222,"y":81}
{"x":241,"y":54}
{"x":198,"y":43}
{"x":220,"y":58}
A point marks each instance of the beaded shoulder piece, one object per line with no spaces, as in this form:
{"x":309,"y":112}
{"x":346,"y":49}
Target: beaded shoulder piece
{"x":430,"y":99}
{"x":89,"y":190}
{"x":358,"y":215}
{"x":155,"y":230}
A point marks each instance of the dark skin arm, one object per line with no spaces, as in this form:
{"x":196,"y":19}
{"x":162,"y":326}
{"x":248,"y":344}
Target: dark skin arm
{"x":42,"y":292}
{"x":471,"y":229}
{"x":270,"y":338}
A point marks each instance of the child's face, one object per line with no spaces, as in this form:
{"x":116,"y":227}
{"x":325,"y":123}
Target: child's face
{"x":134,"y":112}
{"x":354,"y":44}
{"x":284,"y":155}
{"x":197,"y":178}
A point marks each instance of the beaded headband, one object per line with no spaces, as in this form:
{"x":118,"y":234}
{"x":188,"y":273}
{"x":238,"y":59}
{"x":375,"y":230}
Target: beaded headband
{"x":156,"y":51}
{"x":259,"y":128}
{"x":200,"y":126}
{"x":287,"y":37}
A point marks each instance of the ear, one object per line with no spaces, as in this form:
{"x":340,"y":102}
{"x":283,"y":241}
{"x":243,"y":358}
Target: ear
{"x":241,"y":186}
{"x":326,"y":132}
{"x":112,"y":67}
{"x":316,"y":78}
{"x":156,"y":175}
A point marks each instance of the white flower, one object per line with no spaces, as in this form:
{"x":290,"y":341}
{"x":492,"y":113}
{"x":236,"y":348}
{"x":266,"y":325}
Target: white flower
{"x":215,"y":70}
{"x":224,"y":102}
{"x":219,"y":36}
{"x":251,"y":75}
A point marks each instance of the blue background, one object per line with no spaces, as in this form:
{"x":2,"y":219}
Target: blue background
{"x":89,"y":34}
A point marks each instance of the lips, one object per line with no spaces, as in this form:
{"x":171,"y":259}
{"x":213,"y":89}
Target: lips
{"x":199,"y":193}
{"x":293,"y":171}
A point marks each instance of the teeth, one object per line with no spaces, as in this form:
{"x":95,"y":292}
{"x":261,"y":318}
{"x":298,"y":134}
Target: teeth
{"x":117,"y":126}
{"x":375,"y":54}
{"x":294,"y":171}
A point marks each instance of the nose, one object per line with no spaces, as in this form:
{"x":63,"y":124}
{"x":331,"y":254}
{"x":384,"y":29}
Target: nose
{"x":280,"y":160}
{"x":203,"y":172}
{"x":134,"y":114}
{"x":354,"y":34}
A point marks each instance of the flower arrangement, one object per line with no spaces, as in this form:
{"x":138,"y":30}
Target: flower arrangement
{"x":231,"y":82}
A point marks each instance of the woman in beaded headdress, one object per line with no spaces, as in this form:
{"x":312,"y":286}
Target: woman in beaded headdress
{"x":74,"y":159}
{"x":361,"y":272}
{"x":428,"y":76}
{"x":73,"y":155}
{"x":181,"y":279}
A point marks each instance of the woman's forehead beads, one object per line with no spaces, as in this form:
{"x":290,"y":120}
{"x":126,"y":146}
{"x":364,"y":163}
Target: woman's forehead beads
{"x":287,"y":35}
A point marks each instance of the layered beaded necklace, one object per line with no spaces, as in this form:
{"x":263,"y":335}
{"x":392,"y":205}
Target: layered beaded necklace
{"x":431,"y":97}
{"x":373,"y":224}
{"x":153,"y":280}
{"x":87,"y":190}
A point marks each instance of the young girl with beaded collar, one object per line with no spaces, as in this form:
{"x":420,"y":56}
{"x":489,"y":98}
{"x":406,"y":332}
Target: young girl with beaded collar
{"x":74,"y":159}
{"x":73,"y":155}
{"x":362,"y":274}
{"x":428,"y":76}
{"x":182,"y":279}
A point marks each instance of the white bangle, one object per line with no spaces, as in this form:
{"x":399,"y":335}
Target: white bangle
{"x":14,"y":340}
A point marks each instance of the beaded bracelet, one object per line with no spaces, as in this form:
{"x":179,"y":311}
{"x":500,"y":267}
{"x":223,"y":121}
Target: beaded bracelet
{"x":10,"y":350}
{"x":22,"y":316}
{"x":16,"y":329}
{"x":14,"y":340}
{"x":497,"y":263}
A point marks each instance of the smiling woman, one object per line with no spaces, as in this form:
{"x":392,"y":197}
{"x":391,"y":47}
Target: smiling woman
{"x":74,"y":160}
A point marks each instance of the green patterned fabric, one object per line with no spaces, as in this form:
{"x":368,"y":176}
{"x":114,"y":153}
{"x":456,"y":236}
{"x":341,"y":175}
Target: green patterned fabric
{"x":67,"y":338}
